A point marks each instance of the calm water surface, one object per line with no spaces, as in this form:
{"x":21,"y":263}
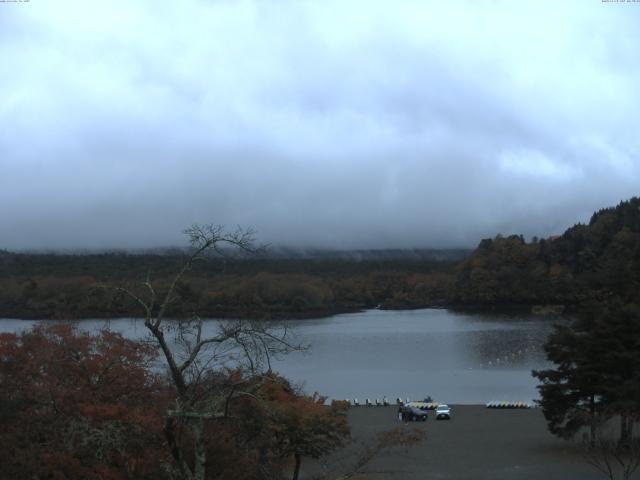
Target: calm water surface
{"x":455,"y":358}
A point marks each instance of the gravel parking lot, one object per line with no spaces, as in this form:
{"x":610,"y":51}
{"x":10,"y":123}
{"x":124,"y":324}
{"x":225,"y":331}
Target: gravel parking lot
{"x":477,"y":443}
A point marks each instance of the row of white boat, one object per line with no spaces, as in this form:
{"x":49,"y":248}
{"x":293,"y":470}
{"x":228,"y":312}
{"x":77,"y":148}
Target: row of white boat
{"x":429,"y":405}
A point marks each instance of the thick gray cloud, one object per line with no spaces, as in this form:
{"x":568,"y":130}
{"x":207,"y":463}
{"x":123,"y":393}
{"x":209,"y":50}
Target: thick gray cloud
{"x":358,"y":124}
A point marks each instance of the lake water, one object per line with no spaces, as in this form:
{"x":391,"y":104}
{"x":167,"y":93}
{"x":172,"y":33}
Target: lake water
{"x":454,"y":357}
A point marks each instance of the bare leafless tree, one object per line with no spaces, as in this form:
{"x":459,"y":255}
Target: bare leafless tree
{"x":195,"y":357}
{"x":614,"y":459}
{"x":385,"y":441}
{"x":367,"y":451}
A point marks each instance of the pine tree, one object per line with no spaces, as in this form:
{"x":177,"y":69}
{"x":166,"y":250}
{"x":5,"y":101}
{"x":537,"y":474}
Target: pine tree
{"x":571,"y":394}
{"x":597,"y":371}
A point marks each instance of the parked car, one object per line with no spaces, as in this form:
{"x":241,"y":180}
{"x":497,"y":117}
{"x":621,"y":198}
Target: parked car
{"x":443,"y":412}
{"x":415,"y":414}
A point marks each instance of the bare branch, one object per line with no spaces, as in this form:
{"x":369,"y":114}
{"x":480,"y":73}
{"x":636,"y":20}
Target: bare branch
{"x":198,"y":347}
{"x":608,"y":456}
{"x":135,"y":297}
{"x":147,"y":283}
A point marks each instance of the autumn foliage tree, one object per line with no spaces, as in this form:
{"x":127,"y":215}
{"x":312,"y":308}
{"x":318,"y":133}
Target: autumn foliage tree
{"x":298,"y":425}
{"x":78,"y":406}
{"x":588,"y":261}
{"x":75,"y":405}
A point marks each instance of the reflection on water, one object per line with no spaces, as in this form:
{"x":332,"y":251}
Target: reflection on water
{"x":454,"y":357}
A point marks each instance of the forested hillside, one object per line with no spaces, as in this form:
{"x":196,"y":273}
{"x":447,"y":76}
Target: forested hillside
{"x":71,"y":286}
{"x":593,"y":261}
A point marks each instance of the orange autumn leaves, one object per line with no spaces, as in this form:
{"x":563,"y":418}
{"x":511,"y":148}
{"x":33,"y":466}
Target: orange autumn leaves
{"x":75,"y":405}
{"x":79,"y":406}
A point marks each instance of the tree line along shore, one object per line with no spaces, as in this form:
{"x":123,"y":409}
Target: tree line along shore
{"x":588,"y":261}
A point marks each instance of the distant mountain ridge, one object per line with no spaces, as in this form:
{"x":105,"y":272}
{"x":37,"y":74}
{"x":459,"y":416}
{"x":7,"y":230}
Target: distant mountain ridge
{"x":431,"y":254}
{"x":288,"y":253}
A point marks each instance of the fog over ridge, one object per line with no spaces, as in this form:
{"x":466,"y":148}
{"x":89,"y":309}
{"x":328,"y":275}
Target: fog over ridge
{"x":350,"y":125}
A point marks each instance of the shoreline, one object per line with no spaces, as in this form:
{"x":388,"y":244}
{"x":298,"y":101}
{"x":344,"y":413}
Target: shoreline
{"x":538,"y":310}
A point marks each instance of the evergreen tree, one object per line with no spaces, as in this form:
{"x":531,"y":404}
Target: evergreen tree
{"x":571,"y":397}
{"x":615,"y":330}
{"x":597,"y":371}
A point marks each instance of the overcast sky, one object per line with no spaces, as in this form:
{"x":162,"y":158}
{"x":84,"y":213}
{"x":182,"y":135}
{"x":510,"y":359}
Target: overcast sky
{"x":346,"y":124}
